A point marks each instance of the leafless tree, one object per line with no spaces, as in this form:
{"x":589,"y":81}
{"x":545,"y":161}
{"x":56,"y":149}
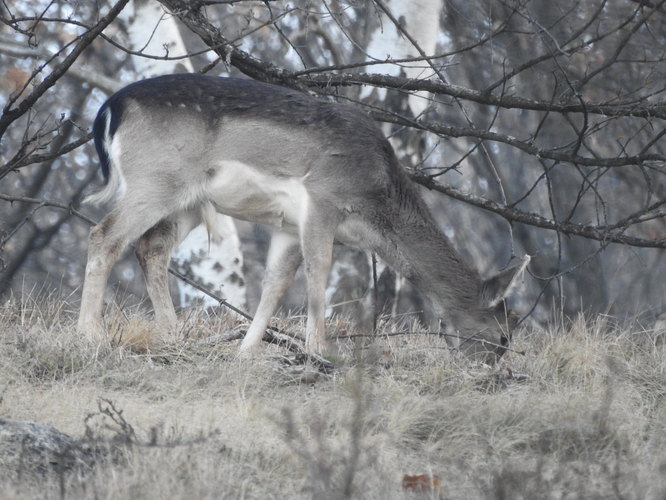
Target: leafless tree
{"x":542,"y":130}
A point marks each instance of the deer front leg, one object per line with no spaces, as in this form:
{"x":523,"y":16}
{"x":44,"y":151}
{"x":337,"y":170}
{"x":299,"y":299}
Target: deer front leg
{"x":284,"y":257}
{"x":317,"y":237}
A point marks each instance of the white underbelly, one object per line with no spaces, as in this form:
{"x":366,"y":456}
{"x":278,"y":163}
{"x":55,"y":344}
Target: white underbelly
{"x":244,"y":192}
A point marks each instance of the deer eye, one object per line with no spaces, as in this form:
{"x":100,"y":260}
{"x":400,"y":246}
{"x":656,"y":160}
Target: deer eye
{"x":504,"y":340}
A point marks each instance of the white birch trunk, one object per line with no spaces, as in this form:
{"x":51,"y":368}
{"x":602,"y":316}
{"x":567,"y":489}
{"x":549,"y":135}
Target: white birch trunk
{"x":420,"y":18}
{"x":218,"y":266}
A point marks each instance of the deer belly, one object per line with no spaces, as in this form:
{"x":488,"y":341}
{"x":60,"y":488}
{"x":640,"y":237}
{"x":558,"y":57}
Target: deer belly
{"x":246,"y":193}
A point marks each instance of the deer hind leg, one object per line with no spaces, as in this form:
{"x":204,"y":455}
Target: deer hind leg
{"x":153,"y":250}
{"x":284,"y":257}
{"x":107,"y":240}
{"x":317,"y":237}
{"x":102,"y":254}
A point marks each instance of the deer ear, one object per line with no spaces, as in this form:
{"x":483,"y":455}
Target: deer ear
{"x":502,"y":284}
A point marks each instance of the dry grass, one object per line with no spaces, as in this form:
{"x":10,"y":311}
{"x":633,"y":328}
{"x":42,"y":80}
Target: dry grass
{"x":175,"y":417}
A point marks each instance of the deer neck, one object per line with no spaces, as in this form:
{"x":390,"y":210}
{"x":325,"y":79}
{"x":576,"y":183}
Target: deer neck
{"x":415,"y":247}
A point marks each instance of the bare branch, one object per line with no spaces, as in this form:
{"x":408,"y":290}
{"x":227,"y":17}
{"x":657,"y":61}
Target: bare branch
{"x":24,"y":160}
{"x":526,"y":146}
{"x":76,"y":71}
{"x":12,"y":114}
{"x":611,"y":233}
{"x":641,"y":110}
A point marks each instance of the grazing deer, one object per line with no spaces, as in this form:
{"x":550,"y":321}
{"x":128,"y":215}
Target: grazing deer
{"x":175,"y":149}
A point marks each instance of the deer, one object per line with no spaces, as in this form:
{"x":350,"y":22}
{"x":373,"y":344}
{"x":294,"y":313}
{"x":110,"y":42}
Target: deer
{"x":176,"y":149}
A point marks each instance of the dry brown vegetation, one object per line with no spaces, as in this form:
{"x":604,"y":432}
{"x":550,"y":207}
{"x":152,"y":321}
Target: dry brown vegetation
{"x":180,"y":418}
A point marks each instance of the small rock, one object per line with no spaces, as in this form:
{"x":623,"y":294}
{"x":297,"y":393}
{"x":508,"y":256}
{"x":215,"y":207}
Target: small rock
{"x":38,"y":447}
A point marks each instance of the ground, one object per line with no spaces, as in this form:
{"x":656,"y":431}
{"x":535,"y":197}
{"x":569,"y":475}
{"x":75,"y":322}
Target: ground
{"x":580,"y":415}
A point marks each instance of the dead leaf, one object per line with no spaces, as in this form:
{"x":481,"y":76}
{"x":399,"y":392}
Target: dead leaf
{"x":422,"y":483}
